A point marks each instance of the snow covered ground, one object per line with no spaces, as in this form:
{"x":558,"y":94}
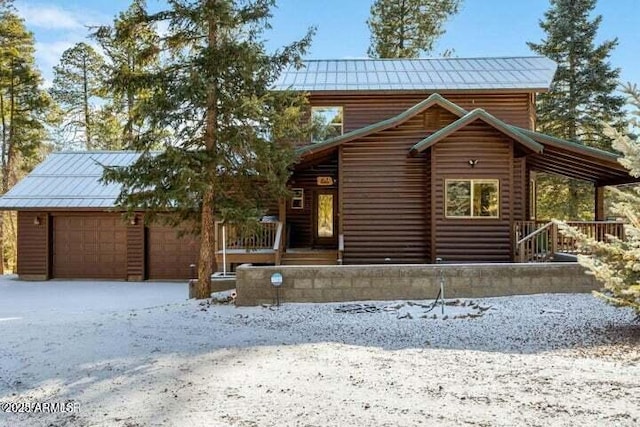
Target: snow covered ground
{"x":138,"y":354}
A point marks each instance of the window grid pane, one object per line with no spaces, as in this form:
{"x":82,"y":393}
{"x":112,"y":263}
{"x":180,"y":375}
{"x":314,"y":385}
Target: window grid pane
{"x":458,"y":198}
{"x":471,"y":198}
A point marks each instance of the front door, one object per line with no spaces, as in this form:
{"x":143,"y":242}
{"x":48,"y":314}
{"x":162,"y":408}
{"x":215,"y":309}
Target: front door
{"x":325,"y":230}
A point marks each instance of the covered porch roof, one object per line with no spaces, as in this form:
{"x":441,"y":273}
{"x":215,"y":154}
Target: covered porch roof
{"x":574,"y":160}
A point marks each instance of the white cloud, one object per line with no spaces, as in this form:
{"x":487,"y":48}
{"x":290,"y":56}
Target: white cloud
{"x":49,"y":17}
{"x":57,"y":28}
{"x":48,"y":53}
{"x":55,"y":17}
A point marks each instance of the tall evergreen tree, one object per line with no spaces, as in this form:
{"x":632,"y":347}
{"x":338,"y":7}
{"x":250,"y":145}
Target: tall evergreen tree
{"x":23,"y":105}
{"x":228,"y":147}
{"x":407,"y":28}
{"x":131,"y":49}
{"x":615,"y":263}
{"x":77,"y":85}
{"x":582,"y":97}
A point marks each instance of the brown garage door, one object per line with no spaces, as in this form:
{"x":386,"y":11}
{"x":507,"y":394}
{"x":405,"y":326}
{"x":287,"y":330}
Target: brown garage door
{"x":91,"y":247}
{"x":169,"y":255}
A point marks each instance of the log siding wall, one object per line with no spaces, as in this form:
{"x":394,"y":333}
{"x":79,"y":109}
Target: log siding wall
{"x":466,"y":240}
{"x":429,"y":235}
{"x":363,"y":109}
{"x":33,"y":245}
{"x":519,"y":189}
{"x":385,"y":197}
{"x":136,"y":250}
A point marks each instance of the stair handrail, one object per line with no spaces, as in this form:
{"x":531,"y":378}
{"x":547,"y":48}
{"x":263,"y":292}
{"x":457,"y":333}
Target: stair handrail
{"x":520,"y":243}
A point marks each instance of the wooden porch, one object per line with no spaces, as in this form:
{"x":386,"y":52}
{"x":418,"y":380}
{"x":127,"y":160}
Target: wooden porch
{"x":265,"y":244}
{"x":542,"y":241}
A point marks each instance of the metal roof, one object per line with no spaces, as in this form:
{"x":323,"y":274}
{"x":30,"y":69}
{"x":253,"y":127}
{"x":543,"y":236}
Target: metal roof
{"x":523,"y":73}
{"x":68,"y":180}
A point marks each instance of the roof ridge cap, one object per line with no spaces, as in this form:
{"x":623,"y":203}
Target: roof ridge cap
{"x":426,"y":59}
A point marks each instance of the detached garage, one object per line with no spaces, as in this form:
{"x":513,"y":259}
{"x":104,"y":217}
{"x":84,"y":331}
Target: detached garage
{"x":68,"y":227}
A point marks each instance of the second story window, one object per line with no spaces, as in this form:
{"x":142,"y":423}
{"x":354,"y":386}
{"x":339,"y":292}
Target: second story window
{"x":328,"y":123}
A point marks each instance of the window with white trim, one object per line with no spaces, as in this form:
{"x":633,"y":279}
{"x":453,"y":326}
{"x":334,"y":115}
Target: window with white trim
{"x":327,"y":123}
{"x":297,"y":198}
{"x":472,"y":198}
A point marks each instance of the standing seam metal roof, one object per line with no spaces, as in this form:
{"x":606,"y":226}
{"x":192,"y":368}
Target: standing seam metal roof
{"x":69,"y":180}
{"x":522,"y":73}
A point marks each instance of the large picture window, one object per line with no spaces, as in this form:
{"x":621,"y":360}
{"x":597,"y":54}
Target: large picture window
{"x":472,"y":198}
{"x":327,"y":123}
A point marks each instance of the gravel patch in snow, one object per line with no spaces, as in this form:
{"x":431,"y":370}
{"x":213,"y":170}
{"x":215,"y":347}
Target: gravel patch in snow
{"x":131,"y":354}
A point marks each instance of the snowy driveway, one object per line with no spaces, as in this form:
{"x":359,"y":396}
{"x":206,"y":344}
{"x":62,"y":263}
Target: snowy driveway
{"x":138,"y":354}
{"x":46,"y":299}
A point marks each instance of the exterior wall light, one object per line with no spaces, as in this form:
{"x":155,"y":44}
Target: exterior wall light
{"x":37,"y":220}
{"x":473,"y":162}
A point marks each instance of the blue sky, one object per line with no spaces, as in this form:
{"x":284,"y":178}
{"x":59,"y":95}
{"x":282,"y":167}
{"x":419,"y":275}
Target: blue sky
{"x":482,"y":28}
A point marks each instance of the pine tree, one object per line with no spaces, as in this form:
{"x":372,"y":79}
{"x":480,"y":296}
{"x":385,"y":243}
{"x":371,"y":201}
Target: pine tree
{"x":77,"y":85}
{"x":616,"y":263}
{"x":131,"y":49}
{"x":407,"y":28}
{"x":23,"y":106}
{"x":582,"y":97}
{"x":227,"y":145}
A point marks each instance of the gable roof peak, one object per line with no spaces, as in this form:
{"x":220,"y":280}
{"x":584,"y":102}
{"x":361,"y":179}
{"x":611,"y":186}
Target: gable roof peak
{"x":472,"y":116}
{"x":434,"y":99}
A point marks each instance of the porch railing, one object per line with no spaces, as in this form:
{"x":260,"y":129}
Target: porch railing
{"x":539,"y":241}
{"x":266,"y":235}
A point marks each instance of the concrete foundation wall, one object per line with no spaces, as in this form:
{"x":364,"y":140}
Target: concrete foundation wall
{"x":389,"y":282}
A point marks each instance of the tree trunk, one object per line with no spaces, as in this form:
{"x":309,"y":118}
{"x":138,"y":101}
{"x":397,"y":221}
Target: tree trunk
{"x":401,"y":37}
{"x":87,"y":124}
{"x":207,"y":250}
{"x":128,"y":130}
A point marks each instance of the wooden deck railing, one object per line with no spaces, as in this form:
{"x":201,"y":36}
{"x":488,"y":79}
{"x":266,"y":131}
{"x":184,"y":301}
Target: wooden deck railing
{"x":265,"y":236}
{"x":539,"y":241}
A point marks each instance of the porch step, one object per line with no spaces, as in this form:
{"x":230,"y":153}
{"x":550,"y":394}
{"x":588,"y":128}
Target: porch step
{"x":310,"y":258}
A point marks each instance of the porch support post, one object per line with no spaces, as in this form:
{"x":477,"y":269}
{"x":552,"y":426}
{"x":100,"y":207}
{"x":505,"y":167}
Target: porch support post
{"x":282,"y":217}
{"x":599,"y":203}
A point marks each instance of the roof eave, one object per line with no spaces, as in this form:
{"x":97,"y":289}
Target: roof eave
{"x":466,"y":120}
{"x":543,"y":89}
{"x":570,"y":145}
{"x":433,"y":100}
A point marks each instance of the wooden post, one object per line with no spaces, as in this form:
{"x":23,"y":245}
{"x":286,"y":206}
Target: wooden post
{"x":554,"y":239}
{"x":282,"y":217}
{"x":599,"y":203}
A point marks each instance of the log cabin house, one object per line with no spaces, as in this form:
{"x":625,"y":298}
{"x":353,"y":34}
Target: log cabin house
{"x":416,"y":161}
